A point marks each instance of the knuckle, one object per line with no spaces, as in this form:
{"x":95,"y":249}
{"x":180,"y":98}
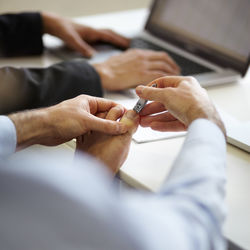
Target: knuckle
{"x":81,"y":96}
{"x":163,"y":54}
{"x":159,"y":74}
{"x":163,"y":67}
{"x":190,"y":79}
{"x":134,"y":50}
{"x":143,"y":65}
{"x":118,"y":108}
{"x":142,"y":73}
{"x":140,"y":55}
{"x":108,"y":30}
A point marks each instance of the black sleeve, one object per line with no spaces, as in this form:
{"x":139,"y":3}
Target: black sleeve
{"x":39,"y":87}
{"x":21,"y":34}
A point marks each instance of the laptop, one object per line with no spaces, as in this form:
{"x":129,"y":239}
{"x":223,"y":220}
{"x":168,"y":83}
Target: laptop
{"x":209,"y":40}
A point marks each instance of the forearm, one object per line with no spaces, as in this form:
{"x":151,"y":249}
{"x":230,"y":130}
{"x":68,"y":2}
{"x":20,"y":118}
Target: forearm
{"x":31,"y":127}
{"x":197,"y":180}
{"x":203,"y":154}
{"x":21,"y":34}
{"x":33,"y":88}
{"x":189,"y":210}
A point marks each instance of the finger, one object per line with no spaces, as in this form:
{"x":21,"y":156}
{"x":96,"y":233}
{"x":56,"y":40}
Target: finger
{"x":152,"y":108}
{"x":168,"y":81}
{"x":76,"y":42}
{"x":98,"y":105}
{"x":106,"y":126}
{"x":153,"y":94}
{"x":163,"y":56}
{"x":172,"y":126}
{"x":151,"y":75}
{"x":115,"y":113}
{"x":163,"y":117}
{"x":113,"y":38}
{"x":162,"y":66}
{"x":102,"y":115}
{"x":131,"y":120}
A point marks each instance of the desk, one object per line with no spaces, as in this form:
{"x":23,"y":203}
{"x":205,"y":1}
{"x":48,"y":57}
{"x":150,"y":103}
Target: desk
{"x":142,"y":170}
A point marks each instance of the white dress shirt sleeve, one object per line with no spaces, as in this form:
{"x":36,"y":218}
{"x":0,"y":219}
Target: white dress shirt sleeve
{"x":7,"y":136}
{"x":47,"y":204}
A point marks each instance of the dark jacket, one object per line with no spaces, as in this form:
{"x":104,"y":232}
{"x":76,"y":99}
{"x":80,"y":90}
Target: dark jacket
{"x":22,"y":88}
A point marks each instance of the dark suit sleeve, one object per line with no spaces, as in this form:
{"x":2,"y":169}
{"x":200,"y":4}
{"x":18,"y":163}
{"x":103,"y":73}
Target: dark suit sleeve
{"x":21,"y":34}
{"x":40,"y":87}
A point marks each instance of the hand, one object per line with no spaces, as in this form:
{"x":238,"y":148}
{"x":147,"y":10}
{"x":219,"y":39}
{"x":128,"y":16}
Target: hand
{"x":135,"y":67}
{"x":77,"y":36}
{"x":183,"y":98}
{"x":65,"y":121}
{"x":111,"y":150}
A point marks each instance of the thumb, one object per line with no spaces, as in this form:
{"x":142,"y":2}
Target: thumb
{"x":131,"y":120}
{"x":106,"y":126}
{"x":152,"y":94}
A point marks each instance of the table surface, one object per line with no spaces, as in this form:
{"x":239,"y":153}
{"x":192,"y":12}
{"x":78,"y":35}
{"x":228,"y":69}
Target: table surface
{"x":149,"y":163}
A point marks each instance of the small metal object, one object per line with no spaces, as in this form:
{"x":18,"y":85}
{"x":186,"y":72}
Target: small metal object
{"x":141,"y":103}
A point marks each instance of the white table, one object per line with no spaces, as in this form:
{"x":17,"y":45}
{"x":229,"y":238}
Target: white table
{"x":149,"y":163}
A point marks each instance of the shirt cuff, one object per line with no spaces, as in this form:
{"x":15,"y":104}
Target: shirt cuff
{"x":206,"y":130}
{"x":7,"y":136}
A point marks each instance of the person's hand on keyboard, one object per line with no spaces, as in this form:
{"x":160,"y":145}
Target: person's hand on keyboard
{"x":134,"y":67}
{"x":78,"y":36}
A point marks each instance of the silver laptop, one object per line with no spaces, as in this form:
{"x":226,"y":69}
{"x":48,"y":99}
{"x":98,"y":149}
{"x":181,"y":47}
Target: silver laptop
{"x":208,"y":39}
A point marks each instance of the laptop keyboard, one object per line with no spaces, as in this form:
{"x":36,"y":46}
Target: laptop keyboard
{"x":187,"y":66}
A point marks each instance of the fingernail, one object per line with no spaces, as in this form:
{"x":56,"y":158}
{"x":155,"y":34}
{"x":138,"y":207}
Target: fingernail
{"x":139,"y":89}
{"x":131,"y":114}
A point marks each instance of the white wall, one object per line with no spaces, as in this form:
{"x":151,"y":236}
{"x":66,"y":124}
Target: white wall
{"x":72,"y":7}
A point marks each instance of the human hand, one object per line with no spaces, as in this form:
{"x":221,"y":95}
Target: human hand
{"x":111,"y":150}
{"x":133,"y":67}
{"x":182,"y":99}
{"x":65,"y":121}
{"x":78,"y":36}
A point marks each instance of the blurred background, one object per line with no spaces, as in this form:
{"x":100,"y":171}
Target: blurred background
{"x":72,"y":8}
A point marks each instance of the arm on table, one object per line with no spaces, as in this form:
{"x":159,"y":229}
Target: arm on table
{"x":80,"y":203}
{"x":39,"y":87}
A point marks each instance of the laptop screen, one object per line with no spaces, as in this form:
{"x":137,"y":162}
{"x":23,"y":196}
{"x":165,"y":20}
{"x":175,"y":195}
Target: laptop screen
{"x":218,"y":30}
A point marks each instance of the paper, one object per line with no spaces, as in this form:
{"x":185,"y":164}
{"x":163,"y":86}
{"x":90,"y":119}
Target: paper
{"x":238,"y":133}
{"x":147,"y":134}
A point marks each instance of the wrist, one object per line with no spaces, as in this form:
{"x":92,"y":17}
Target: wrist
{"x":211,"y":114}
{"x":104,"y":74}
{"x":31,"y":127}
{"x":49,"y":21}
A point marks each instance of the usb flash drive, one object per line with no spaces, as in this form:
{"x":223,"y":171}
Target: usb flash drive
{"x":141,"y":103}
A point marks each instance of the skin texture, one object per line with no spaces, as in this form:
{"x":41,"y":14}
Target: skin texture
{"x":133,"y":67}
{"x":111,"y":150}
{"x":181,"y":100}
{"x":65,"y":121}
{"x":78,"y":36}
